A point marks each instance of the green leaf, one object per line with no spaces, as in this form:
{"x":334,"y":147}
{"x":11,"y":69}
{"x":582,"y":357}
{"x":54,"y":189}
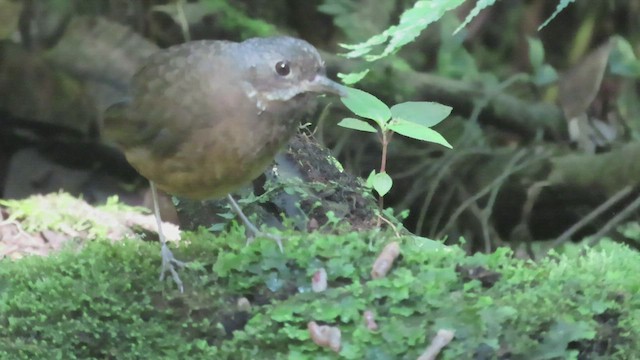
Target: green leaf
{"x":380,"y":182}
{"x":623,"y":49}
{"x":545,"y":75}
{"x":426,"y":244}
{"x":480,"y":5}
{"x":561,"y":5}
{"x":622,"y":60}
{"x":412,"y":22}
{"x":453,"y":59}
{"x":357,"y":124}
{"x":421,"y":112}
{"x":559,"y":336}
{"x":367,"y":106}
{"x":217,"y":227}
{"x":352,"y":78}
{"x":418,"y":132}
{"x":378,"y":39}
{"x":369,"y":182}
{"x":536,"y":52}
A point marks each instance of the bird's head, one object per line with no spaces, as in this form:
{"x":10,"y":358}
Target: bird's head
{"x":282,"y":68}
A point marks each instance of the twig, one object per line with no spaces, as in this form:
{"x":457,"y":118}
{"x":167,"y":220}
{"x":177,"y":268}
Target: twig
{"x":440,"y":213}
{"x":441,"y":340}
{"x":395,"y":230}
{"x":533,"y":192}
{"x":592,"y":215}
{"x":616,"y":220}
{"x":434,"y":183}
{"x":482,"y":215}
{"x":511,"y":169}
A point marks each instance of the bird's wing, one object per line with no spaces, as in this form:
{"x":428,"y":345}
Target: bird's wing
{"x":116,"y":128}
{"x":178,"y":91}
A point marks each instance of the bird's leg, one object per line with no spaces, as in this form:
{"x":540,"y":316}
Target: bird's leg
{"x":252,"y":228}
{"x":168,"y":260}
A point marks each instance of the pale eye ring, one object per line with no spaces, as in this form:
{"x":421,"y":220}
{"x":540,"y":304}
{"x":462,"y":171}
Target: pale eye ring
{"x":283,"y":68}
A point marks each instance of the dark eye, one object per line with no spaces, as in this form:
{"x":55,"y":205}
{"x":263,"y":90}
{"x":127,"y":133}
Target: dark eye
{"x":283,"y":68}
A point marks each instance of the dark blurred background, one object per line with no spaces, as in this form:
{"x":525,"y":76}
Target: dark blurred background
{"x":544,"y":125}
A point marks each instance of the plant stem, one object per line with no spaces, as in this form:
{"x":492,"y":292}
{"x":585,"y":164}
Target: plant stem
{"x":386,"y":136}
{"x":385,"y":144}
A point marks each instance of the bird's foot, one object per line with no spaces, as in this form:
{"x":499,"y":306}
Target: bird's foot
{"x":255,"y":232}
{"x":168,"y":262}
{"x":274,"y":237}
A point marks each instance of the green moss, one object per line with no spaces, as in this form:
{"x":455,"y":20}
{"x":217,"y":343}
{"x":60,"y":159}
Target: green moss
{"x":106,"y":301}
{"x":235,"y":20}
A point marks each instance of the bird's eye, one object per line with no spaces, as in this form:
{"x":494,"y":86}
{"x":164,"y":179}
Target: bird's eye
{"x":283,"y":68}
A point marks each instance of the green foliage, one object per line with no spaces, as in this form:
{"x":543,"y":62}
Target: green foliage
{"x":561,"y":5}
{"x":543,"y":73}
{"x":623,"y":60}
{"x":358,"y":19}
{"x":367,"y":106}
{"x":454,"y":60}
{"x":381,"y":182}
{"x":480,"y":5}
{"x":100,"y":303}
{"x":339,"y":11}
{"x":106,"y":301}
{"x":412,"y":22}
{"x":560,"y":335}
{"x":352,"y":78}
{"x":416,"y":19}
{"x":411,"y":119}
{"x":236,"y":20}
{"x":227,"y":17}
{"x":415,"y":119}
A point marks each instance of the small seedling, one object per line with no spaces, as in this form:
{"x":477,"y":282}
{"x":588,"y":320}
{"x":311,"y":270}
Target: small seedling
{"x":412,"y":119}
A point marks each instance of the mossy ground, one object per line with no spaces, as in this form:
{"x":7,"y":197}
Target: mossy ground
{"x":105,"y":301}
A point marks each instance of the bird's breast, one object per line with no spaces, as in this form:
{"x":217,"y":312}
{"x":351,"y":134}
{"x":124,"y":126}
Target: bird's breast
{"x":220,"y":157}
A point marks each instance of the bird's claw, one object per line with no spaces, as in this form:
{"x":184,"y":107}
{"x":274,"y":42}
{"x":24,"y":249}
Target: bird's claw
{"x":168,"y":262}
{"x":255,"y":232}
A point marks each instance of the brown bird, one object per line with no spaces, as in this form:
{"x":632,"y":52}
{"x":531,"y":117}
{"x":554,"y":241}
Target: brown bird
{"x":206,"y":117}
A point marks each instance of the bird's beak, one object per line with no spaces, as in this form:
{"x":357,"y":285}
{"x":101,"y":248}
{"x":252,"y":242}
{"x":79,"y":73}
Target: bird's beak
{"x":324,"y":85}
